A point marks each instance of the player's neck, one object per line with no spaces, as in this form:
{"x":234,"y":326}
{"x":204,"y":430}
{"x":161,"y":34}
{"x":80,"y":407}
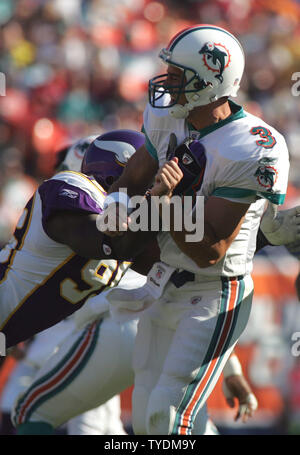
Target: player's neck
{"x":203,"y":116}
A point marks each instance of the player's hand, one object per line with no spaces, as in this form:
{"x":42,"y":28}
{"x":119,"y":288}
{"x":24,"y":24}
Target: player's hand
{"x":281,"y":227}
{"x":237,"y":387}
{"x":167,"y":178}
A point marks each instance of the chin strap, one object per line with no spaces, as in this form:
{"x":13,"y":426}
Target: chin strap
{"x":182,"y":111}
{"x":179,"y":111}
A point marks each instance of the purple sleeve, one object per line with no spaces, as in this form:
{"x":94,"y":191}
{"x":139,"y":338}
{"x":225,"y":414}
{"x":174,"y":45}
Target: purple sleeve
{"x":58,"y":195}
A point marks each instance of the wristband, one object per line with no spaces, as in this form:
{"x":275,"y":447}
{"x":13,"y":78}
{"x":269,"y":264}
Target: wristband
{"x":119,"y":197}
{"x":232,"y":367}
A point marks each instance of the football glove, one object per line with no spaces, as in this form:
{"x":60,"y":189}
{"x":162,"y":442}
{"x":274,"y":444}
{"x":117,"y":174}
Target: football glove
{"x":192,"y":161}
{"x":281,"y":227}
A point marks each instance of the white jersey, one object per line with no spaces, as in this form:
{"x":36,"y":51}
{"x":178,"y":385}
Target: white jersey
{"x":44,"y":281}
{"x":247,"y":161}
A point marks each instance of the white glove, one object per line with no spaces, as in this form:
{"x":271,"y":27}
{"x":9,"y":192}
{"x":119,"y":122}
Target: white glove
{"x":281,"y":227}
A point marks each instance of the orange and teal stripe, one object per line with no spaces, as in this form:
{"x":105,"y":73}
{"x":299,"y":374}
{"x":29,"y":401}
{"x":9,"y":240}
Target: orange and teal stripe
{"x":59,"y":377}
{"x":197,"y":391}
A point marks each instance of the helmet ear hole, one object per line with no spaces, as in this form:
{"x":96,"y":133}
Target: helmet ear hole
{"x":201,"y":84}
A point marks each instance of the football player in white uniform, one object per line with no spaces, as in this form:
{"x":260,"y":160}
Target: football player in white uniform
{"x":59,"y":393}
{"x":47,"y":271}
{"x":203,"y":289}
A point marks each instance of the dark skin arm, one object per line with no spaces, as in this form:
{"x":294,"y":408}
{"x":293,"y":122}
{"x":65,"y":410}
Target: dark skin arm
{"x":143,"y":263}
{"x":76,"y":230}
{"x":79,"y":231}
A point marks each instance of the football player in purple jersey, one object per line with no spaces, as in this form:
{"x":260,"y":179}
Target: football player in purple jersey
{"x":55,"y":260}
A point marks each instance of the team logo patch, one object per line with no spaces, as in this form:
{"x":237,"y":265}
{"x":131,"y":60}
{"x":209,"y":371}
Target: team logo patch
{"x":187,"y":159}
{"x":266,"y":174}
{"x":194,"y":135}
{"x":159,"y":273}
{"x":196,"y":300}
{"x":68,"y":193}
{"x":216,"y":58}
{"x":106,"y":249}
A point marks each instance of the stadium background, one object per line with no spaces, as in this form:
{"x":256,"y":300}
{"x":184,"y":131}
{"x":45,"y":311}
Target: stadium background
{"x":79,"y":67}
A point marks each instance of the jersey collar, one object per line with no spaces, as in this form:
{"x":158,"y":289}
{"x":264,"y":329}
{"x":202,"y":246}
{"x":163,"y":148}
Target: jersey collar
{"x":237,"y":113}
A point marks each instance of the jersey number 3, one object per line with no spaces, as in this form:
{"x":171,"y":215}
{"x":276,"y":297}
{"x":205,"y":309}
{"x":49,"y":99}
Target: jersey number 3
{"x":267,"y":140}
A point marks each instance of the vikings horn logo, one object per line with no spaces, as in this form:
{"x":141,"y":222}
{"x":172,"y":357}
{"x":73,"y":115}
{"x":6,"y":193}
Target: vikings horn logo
{"x":266,"y":175}
{"x":121,"y":150}
{"x":215,"y":59}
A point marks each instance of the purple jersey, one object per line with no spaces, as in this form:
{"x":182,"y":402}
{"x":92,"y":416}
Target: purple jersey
{"x":43,"y":281}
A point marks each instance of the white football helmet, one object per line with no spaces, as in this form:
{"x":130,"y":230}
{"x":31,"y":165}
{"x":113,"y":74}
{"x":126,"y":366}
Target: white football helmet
{"x":72,"y":156}
{"x":212,"y":63}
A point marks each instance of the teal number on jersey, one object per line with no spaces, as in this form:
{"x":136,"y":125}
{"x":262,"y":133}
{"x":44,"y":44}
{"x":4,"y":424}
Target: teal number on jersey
{"x":267,"y":140}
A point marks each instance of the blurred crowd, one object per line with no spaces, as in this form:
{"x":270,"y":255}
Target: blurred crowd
{"x":70,"y":68}
{"x":79,"y":67}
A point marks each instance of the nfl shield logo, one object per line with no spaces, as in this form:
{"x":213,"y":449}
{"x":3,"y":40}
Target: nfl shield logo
{"x":106,"y":249}
{"x":159,"y":273}
{"x":187,"y":159}
{"x":195,"y":300}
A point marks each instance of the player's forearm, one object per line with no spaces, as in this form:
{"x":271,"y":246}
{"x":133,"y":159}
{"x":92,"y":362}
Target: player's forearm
{"x":124,"y":248}
{"x":144,"y":261}
{"x":130,"y":245}
{"x":132,"y":188}
{"x":84,"y":238}
{"x":205,"y":253}
{"x":80,"y":232}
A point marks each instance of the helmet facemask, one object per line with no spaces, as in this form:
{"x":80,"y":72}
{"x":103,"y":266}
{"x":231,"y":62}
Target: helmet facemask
{"x":190,"y":82}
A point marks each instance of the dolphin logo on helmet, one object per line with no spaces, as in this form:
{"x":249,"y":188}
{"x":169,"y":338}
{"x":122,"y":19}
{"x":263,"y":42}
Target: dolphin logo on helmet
{"x":211,"y":52}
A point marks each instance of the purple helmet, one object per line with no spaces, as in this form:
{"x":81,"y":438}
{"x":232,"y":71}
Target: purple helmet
{"x":108,"y":154}
{"x":192,"y":162}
